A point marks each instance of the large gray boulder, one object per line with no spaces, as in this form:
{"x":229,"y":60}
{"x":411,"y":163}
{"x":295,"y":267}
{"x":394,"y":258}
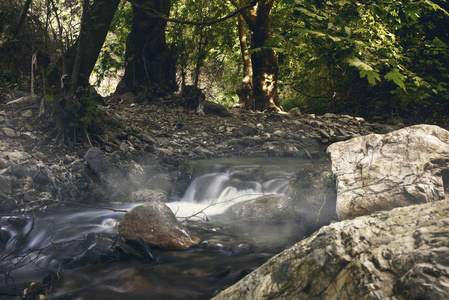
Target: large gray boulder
{"x":156,"y":225}
{"x":397,"y":254}
{"x":380,"y":172}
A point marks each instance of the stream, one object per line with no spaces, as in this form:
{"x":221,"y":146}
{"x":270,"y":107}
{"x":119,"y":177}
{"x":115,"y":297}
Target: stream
{"x":34,"y":246}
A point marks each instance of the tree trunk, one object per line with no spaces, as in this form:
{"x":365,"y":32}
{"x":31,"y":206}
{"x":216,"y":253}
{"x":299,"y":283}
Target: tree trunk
{"x":22,"y":16}
{"x":80,"y":46}
{"x":264,"y":62}
{"x":265,"y":78}
{"x":93,"y":33}
{"x":149,"y":63}
{"x":245,"y":90}
{"x":73,"y":105}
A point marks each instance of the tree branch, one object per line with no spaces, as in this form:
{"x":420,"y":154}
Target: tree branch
{"x":154,"y":14}
{"x":22,"y":16}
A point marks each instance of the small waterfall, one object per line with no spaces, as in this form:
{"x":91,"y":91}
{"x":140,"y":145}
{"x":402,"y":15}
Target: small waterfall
{"x":215,"y":192}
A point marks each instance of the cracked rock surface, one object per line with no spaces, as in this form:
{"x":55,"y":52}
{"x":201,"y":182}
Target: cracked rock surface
{"x":379,"y":172}
{"x":400,"y":254}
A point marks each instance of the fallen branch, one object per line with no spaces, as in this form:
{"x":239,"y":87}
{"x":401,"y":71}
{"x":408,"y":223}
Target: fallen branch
{"x":202,"y":212}
{"x":81,"y":204}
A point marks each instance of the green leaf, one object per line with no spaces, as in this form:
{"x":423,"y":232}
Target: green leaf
{"x":412,"y":12}
{"x":254,"y":50}
{"x":314,"y":32}
{"x":396,"y":77}
{"x":348,"y":30}
{"x":372,"y":76}
{"x":343,"y":2}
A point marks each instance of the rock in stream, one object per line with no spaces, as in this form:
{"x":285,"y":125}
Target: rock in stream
{"x":156,"y":225}
{"x":400,"y":254}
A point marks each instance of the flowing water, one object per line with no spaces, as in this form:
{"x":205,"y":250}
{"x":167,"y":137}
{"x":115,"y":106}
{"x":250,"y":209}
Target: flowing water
{"x":39,"y":244}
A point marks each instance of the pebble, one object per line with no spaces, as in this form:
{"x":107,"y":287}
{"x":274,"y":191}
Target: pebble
{"x":9,"y":132}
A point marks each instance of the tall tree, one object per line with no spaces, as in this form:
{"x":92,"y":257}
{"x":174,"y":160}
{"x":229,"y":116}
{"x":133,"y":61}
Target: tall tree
{"x":245,"y":90}
{"x":149,"y":63}
{"x":264,"y":60}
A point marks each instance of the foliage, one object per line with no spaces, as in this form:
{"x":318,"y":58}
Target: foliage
{"x":207,"y":54}
{"x":82,"y":111}
{"x":323,"y":44}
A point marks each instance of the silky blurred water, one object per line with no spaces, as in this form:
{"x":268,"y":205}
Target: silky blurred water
{"x":225,"y":255}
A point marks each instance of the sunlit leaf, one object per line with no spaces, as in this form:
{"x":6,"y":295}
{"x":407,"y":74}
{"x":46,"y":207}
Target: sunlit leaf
{"x":348,"y":30}
{"x":396,"y":77}
{"x":356,"y":62}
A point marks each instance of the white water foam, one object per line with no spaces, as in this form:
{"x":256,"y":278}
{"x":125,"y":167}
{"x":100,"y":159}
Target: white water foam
{"x":213,"y":193}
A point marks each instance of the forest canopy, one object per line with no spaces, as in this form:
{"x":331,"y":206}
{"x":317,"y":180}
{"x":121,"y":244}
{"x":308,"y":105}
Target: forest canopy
{"x":380,"y":60}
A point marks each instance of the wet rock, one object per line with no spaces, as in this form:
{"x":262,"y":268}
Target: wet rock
{"x":249,"y":141}
{"x":156,"y":225}
{"x":274,"y":117}
{"x":147,"y":195}
{"x":202,"y":152}
{"x":212,"y":108}
{"x":162,"y":182}
{"x":279,"y":133}
{"x":4,"y":163}
{"x":314,"y":195}
{"x":7,"y":203}
{"x":247,"y":130}
{"x":267,"y":208}
{"x":22,"y":102}
{"x":380,"y":172}
{"x":136,"y":173}
{"x":84,"y":189}
{"x":257,"y":154}
{"x":9,"y":132}
{"x":290,"y":151}
{"x":242,"y":248}
{"x":388,"y":255}
{"x":112,"y":179}
{"x":247,"y":173}
{"x":212,"y":245}
{"x":102,"y":247}
{"x":294,"y":112}
{"x":13,"y":231}
{"x":16,"y":156}
{"x":274,"y":149}
{"x":5,"y":185}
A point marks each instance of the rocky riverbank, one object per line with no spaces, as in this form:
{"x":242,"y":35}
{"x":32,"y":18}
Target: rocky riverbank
{"x":149,"y":145}
{"x":400,"y":254}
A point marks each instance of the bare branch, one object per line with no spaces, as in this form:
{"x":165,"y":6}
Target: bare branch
{"x":82,"y":204}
